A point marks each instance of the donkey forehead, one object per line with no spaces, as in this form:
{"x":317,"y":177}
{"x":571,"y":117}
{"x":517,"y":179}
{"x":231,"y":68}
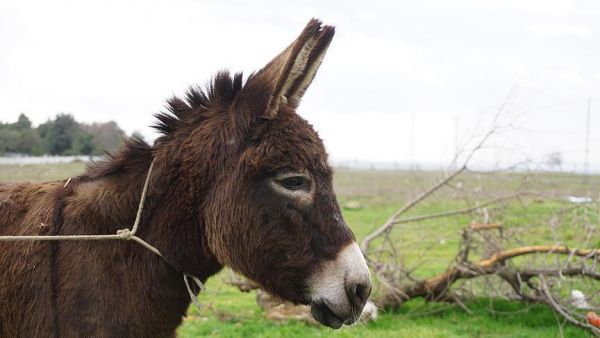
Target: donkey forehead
{"x":288,"y":141}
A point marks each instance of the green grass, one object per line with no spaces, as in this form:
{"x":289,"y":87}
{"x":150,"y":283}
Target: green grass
{"x":40,"y":173}
{"x":227,"y":312}
{"x":415,"y":319}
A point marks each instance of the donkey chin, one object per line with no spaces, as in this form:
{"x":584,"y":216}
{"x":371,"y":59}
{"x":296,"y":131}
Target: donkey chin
{"x":340,"y":288}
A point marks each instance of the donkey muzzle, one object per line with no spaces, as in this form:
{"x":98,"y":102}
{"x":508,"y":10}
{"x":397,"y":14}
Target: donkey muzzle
{"x":340,"y":288}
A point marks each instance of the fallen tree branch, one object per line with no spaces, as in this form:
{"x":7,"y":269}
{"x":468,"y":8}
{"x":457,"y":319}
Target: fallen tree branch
{"x":570,"y":271}
{"x":501,"y":256}
{"x":435,"y":288}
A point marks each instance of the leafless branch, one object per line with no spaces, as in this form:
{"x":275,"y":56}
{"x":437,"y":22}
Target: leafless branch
{"x":387,"y":226}
{"x":562,"y":311}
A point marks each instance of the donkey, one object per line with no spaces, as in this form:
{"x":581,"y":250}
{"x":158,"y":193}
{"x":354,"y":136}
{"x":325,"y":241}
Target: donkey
{"x":239,"y":180}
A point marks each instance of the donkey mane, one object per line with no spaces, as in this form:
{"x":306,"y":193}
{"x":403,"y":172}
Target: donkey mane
{"x":193,"y":109}
{"x":180,"y":114}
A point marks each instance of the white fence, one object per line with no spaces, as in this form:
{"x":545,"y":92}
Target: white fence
{"x":45,"y":159}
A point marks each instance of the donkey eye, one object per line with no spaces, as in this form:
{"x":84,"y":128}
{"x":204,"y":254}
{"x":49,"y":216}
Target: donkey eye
{"x":293,"y":183}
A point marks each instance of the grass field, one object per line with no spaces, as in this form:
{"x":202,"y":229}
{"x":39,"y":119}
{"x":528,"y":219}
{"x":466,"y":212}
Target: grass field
{"x":227,"y":312}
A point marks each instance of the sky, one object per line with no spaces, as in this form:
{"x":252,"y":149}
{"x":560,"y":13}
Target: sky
{"x":403,"y":81}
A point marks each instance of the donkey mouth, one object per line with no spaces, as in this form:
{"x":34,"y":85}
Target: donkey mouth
{"x":324,"y":315}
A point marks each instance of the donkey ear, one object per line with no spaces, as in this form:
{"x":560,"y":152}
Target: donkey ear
{"x":287,"y":76}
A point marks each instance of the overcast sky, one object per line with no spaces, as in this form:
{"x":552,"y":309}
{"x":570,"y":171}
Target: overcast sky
{"x":403,"y":81}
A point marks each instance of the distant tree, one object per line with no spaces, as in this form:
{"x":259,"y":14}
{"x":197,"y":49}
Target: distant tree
{"x":58,"y":134}
{"x":62,"y":135}
{"x":106,"y":136}
{"x":23,"y":123}
{"x":8,"y":140}
{"x":28,"y":142}
{"x":18,"y":137}
{"x":83,"y":144}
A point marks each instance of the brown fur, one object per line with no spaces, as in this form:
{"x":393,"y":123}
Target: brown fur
{"x":208,"y":205}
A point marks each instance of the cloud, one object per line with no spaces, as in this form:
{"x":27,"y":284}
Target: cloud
{"x":561,"y":30}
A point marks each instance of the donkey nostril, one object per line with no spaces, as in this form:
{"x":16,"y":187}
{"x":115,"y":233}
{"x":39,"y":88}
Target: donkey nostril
{"x":358,"y":293}
{"x":363,"y":291}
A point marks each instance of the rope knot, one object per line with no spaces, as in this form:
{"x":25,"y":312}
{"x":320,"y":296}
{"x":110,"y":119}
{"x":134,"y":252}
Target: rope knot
{"x":125,"y":233}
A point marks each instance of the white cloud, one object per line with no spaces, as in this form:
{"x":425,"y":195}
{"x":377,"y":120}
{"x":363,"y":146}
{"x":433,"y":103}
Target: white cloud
{"x":561,"y":30}
{"x":554,"y":8}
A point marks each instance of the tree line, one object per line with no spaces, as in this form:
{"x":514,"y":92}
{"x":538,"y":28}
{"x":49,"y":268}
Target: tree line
{"x":61,"y":135}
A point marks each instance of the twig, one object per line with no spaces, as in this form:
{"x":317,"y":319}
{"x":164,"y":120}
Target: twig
{"x":387,"y":226}
{"x":558,"y":308}
{"x":457,"y":212}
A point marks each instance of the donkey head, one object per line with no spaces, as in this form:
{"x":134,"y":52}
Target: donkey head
{"x":272,"y":214}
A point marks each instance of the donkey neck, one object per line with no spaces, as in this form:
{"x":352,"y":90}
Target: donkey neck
{"x":170,"y":219}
